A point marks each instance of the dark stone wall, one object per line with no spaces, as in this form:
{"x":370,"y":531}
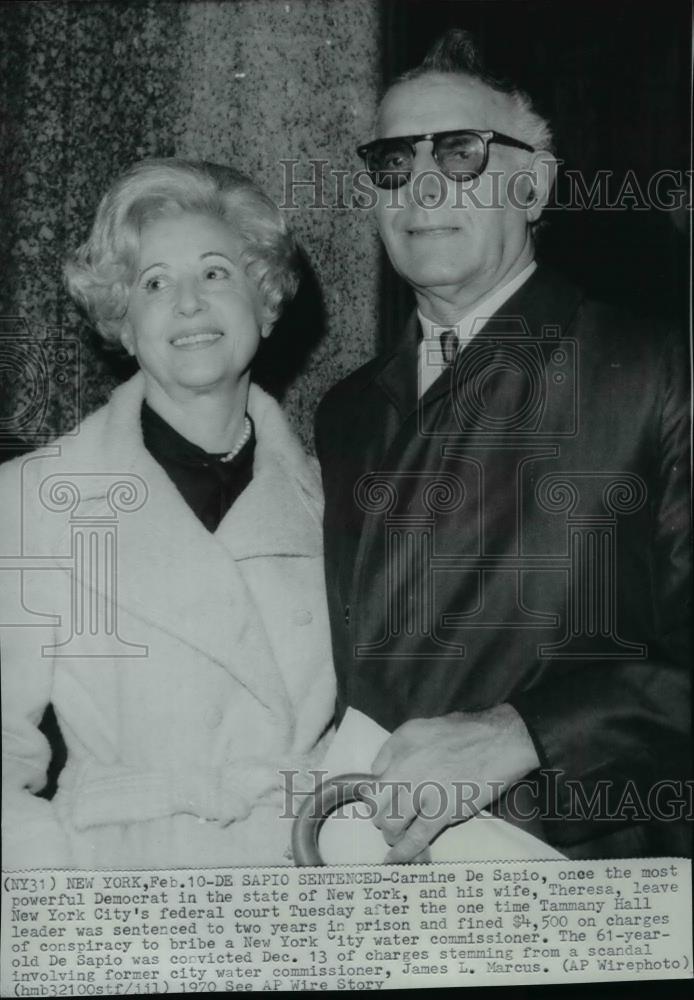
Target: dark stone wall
{"x":89,"y":88}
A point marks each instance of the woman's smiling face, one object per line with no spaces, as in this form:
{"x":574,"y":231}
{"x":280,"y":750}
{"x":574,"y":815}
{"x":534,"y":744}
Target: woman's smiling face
{"x":194,"y":318}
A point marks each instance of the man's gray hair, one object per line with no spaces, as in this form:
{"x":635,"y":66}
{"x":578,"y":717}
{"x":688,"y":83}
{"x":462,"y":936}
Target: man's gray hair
{"x":456,"y":53}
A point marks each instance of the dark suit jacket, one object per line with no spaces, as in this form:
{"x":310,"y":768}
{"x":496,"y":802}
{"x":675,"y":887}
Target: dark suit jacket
{"x":521,"y":535}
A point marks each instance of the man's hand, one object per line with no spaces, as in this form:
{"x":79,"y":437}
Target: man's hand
{"x":447,"y":769}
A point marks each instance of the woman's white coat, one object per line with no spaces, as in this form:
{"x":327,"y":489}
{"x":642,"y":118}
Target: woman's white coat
{"x":186,"y":668}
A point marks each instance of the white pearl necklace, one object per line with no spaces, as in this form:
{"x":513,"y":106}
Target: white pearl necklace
{"x":247,"y":428}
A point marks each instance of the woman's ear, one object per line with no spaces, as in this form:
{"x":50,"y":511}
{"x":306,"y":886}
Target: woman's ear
{"x":126,"y":337}
{"x":268,"y":321}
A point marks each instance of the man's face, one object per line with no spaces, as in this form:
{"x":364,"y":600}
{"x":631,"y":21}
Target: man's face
{"x":438,"y":238}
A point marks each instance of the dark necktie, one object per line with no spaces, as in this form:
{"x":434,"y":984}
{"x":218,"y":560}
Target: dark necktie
{"x":449,"y":345}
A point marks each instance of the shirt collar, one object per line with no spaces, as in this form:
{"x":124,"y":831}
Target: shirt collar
{"x":166,"y":444}
{"x":430,"y":361}
{"x":469,"y":323}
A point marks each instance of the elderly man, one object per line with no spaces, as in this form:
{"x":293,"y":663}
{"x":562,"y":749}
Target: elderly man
{"x":506,"y":502}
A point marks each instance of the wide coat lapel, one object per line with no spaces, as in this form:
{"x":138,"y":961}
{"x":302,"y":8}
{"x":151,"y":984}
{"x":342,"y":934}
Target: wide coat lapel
{"x":280,"y":512}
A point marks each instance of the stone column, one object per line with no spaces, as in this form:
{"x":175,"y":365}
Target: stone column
{"x":267,"y":81}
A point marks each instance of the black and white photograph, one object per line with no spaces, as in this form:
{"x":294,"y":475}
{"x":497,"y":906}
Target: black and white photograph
{"x":345,"y":495}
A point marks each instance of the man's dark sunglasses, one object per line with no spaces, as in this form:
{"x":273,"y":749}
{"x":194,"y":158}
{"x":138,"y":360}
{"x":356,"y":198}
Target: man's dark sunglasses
{"x":460,"y":155}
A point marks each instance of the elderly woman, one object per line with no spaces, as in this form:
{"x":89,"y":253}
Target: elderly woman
{"x":176,"y":615}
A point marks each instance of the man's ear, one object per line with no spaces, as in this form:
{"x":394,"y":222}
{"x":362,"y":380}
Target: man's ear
{"x":543,"y":170}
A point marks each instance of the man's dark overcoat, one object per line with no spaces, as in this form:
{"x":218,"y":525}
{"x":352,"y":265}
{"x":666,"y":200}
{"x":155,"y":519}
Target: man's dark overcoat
{"x":521,"y":535}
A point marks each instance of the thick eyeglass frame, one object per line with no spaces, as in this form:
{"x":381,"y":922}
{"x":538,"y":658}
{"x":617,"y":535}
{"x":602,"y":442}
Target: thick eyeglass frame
{"x":396,"y":178}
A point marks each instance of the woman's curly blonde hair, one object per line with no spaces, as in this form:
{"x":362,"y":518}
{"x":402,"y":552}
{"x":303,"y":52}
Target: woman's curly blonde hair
{"x":100,"y":273}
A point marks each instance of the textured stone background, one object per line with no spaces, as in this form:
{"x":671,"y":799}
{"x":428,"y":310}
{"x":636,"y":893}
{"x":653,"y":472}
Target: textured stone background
{"x":89,"y":88}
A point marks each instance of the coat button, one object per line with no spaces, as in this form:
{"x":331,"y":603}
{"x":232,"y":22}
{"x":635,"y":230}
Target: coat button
{"x":303,"y":617}
{"x":213,"y":717}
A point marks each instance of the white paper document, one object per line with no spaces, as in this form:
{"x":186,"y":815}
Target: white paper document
{"x":353,"y":840}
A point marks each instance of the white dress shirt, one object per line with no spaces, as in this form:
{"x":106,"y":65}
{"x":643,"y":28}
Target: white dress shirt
{"x":430,"y":358}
